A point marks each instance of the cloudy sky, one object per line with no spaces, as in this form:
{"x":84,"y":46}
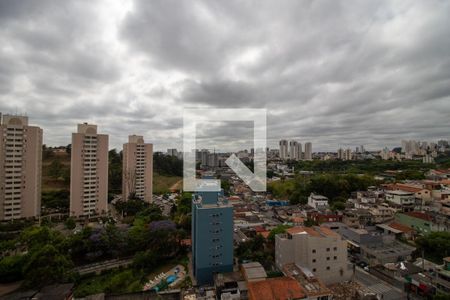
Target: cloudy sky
{"x":336,"y":73}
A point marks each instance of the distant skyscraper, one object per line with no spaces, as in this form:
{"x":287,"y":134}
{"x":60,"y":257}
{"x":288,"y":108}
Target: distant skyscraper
{"x":362,"y":149}
{"x":295,"y":150}
{"x":308,"y":151}
{"x":137,"y":171}
{"x":172,"y":152}
{"x":284,"y":154}
{"x":20,"y":168}
{"x":340,"y":153}
{"x":348,"y":154}
{"x":204,"y":158}
{"x":89,"y":171}
{"x":212,"y":236}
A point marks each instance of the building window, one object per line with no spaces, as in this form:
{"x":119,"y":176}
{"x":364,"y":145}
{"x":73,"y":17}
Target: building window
{"x":328,"y":258}
{"x":335,"y":257}
{"x":314,"y":251}
{"x":328,"y":249}
{"x":335,"y":248}
{"x":328,"y":268}
{"x":314,"y":260}
{"x":314,"y":270}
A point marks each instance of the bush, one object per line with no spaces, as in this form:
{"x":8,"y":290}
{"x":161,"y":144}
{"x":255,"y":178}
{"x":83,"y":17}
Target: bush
{"x":11,"y":268}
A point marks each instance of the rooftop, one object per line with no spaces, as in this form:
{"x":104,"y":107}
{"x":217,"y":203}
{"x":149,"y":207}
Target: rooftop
{"x":399,"y":193}
{"x":401,"y":227}
{"x":419,"y":215}
{"x":315,"y":231}
{"x":407,"y":188}
{"x":254,"y":271}
{"x":280,"y":288}
{"x":312,"y":285}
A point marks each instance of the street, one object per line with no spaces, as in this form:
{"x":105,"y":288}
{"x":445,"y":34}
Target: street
{"x":378,"y":286}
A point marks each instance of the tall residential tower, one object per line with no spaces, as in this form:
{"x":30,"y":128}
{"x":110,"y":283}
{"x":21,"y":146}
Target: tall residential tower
{"x":137,"y":171}
{"x":212,"y":236}
{"x":308,"y":151}
{"x":89,"y":172}
{"x":20,"y":168}
{"x":284,"y":152}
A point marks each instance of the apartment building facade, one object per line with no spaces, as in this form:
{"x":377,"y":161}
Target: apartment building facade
{"x":284,"y":152}
{"x":20,"y":168}
{"x":308,"y":151}
{"x":88,"y":172}
{"x":212,"y":235}
{"x":137,"y":171}
{"x":318,"y":249}
{"x":295,"y":150}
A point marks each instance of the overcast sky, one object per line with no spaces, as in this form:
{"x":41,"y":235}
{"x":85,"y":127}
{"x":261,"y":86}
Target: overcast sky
{"x":336,"y":73}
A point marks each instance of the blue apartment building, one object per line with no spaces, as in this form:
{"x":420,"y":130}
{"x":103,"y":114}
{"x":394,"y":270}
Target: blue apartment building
{"x":212,"y":236}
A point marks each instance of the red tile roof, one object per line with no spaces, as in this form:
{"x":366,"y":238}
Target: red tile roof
{"x":259,"y":229}
{"x":401,"y":227}
{"x":407,"y":188}
{"x":281,"y":288}
{"x":419,"y":215}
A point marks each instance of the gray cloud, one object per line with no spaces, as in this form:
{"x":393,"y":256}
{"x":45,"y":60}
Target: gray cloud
{"x":336,"y":73}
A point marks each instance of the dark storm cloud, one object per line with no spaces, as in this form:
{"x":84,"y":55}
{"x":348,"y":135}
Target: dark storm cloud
{"x":335,"y":73}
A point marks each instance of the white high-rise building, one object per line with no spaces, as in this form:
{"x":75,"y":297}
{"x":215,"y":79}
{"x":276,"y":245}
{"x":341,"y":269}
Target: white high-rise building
{"x":308,"y":151}
{"x":284,"y":154}
{"x":172,"y":152}
{"x":348,"y":154}
{"x":410,"y":147}
{"x":295,"y":150}
{"x":340,"y":153}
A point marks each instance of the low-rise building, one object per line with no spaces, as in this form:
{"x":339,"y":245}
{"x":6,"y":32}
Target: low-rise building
{"x":388,"y":251}
{"x":401,"y":199}
{"x":324,"y":216}
{"x":443,"y":277}
{"x":280,"y":288}
{"x":421,"y":222}
{"x":318,"y":249}
{"x":317,"y":201}
{"x":314,"y":288}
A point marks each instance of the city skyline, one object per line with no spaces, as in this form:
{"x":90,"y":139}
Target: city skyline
{"x":379,"y":76}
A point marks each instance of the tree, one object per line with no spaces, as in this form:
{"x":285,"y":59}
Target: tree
{"x":167,"y":165}
{"x":70,"y":223}
{"x":55,"y":169}
{"x":45,"y":266}
{"x":145,"y":261}
{"x":277,"y":230}
{"x":11,"y":268}
{"x":337,"y":205}
{"x":435,"y":245}
{"x":115,"y":171}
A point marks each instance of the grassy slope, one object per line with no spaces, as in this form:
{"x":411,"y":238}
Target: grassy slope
{"x":48,"y":183}
{"x":162,"y":184}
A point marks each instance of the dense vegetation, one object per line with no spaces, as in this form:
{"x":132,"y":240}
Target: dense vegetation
{"x":256,"y":250}
{"x":167,"y":165}
{"x":56,"y":199}
{"x":43,"y":255}
{"x":435,"y":246}
{"x":369,"y":166}
{"x":336,"y":187}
